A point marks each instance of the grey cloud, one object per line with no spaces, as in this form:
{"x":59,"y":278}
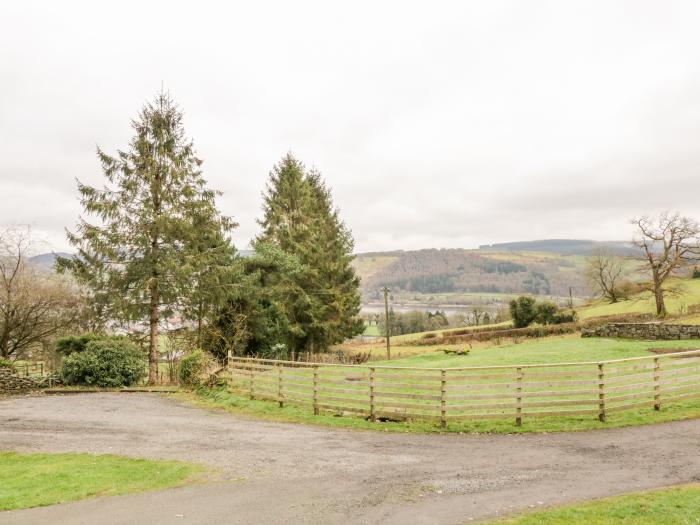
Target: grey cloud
{"x":436,"y":125}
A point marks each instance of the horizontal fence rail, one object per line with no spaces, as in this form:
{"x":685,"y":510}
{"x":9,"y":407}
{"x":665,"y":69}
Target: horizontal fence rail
{"x":515,"y":392}
{"x":30,"y":369}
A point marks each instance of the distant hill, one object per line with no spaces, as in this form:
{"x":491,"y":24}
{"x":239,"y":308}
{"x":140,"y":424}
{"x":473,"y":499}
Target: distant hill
{"x":562,"y":246}
{"x":416,"y":275}
{"x":540,"y":267}
{"x":48,"y":260}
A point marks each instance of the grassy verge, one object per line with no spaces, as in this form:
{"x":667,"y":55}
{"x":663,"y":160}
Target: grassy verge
{"x":673,"y":506}
{"x":238,"y":404}
{"x":35,"y":480}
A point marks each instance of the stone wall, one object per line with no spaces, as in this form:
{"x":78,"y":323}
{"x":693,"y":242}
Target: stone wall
{"x":648,"y":331}
{"x":11,"y":382}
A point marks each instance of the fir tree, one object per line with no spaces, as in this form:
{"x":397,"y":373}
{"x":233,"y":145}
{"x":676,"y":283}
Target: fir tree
{"x":144,"y":255}
{"x":300,"y":219}
{"x":215,"y":277}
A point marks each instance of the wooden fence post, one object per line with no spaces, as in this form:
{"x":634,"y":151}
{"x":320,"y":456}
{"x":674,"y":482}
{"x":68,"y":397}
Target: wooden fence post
{"x":657,"y":385}
{"x":280,"y":395}
{"x":252,"y":380}
{"x":519,"y":397}
{"x":443,"y":395}
{"x":315,"y":390}
{"x":601,"y":393}
{"x":372,"y":410}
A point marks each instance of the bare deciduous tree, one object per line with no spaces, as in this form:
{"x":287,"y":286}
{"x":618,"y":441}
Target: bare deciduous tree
{"x":605,"y":272}
{"x":669,"y":243}
{"x":35,"y":305}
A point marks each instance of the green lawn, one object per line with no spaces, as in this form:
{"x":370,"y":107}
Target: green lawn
{"x":673,"y":506}
{"x":35,"y":480}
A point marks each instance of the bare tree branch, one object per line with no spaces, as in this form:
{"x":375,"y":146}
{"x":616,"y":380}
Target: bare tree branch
{"x":668,"y":244}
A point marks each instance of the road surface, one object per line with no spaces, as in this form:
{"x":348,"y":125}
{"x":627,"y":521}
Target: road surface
{"x":267,"y":472}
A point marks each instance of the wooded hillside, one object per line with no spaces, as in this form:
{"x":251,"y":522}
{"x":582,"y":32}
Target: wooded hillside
{"x":474,"y":271}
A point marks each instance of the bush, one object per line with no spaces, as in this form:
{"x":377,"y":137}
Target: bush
{"x":74,"y":343}
{"x":523,"y":311}
{"x":565,"y":317}
{"x":108,"y":362}
{"x":194,"y":367}
{"x":546,"y":312}
{"x":6,"y":363}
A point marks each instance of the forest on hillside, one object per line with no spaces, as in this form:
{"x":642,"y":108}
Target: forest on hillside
{"x":433,"y":271}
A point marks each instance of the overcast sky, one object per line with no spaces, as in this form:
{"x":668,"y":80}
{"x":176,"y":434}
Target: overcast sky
{"x":437,"y":124}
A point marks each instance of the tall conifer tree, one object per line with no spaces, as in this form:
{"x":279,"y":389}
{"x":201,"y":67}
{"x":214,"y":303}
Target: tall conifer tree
{"x":300,"y":219}
{"x":144,"y":254}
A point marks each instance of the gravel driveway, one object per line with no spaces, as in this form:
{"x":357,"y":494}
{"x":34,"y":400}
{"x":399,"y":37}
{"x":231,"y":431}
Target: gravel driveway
{"x":285,"y":473}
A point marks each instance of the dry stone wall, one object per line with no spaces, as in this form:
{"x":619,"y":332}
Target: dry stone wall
{"x":648,"y":331}
{"x":11,"y":382}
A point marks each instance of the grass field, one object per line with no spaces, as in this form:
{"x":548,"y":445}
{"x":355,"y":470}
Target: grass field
{"x":559,"y":349}
{"x":672,"y":506}
{"x":407,"y":338}
{"x":371,"y":330}
{"x":35,"y":480}
{"x":644,"y":302}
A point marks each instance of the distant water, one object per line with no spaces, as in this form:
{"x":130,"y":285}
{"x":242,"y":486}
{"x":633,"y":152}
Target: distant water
{"x":448,"y":309}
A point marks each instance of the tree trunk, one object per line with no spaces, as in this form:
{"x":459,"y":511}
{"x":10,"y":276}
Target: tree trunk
{"x":660,"y":303}
{"x":200,"y":315}
{"x":153,"y":346}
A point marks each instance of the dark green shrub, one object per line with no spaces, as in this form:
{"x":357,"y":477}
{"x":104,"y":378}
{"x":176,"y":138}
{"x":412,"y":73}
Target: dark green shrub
{"x":565,"y":317}
{"x":523,"y":311}
{"x":546,"y":312}
{"x":194,"y":368}
{"x":75,"y":343}
{"x":109,"y":362}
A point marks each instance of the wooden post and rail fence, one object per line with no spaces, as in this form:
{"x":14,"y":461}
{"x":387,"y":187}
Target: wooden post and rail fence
{"x":518,"y":392}
{"x":30,"y":369}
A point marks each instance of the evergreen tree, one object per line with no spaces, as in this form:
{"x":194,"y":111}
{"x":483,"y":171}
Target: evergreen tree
{"x":257,"y":314}
{"x":300,"y":219}
{"x":215,"y":276}
{"x":338,"y":283}
{"x":144,"y":256}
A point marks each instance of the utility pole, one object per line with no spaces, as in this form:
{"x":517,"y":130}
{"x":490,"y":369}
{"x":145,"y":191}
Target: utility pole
{"x":387,"y":322}
{"x":571,"y":299}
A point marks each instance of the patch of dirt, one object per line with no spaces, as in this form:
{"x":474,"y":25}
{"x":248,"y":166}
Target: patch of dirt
{"x":664,"y":351}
